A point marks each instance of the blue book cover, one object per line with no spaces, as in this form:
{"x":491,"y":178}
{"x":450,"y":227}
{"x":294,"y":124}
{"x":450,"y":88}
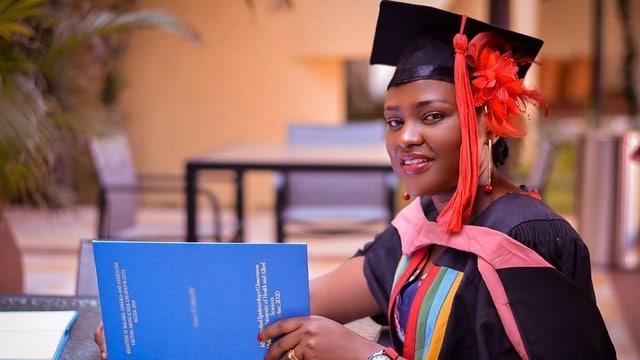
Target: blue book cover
{"x":163,"y":300}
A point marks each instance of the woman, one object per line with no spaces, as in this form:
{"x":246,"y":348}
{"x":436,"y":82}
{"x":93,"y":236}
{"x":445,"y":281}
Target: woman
{"x":475,"y":267}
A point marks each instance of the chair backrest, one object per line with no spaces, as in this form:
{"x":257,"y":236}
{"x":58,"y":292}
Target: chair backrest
{"x":337,"y":188}
{"x":115,"y":169}
{"x":361,"y":132}
{"x":86,"y":278}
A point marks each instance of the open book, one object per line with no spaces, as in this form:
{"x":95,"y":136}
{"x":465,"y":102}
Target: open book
{"x":197,"y":300}
{"x":34,"y":334}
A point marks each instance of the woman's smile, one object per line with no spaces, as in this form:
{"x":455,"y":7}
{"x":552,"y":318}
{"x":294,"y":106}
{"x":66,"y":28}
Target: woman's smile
{"x":415,"y":163}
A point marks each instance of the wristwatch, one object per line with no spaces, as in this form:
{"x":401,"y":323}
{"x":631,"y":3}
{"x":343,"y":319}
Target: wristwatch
{"x":385,"y":354}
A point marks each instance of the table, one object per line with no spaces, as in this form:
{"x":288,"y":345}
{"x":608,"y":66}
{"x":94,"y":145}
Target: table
{"x":80,"y":344}
{"x":276,"y":157}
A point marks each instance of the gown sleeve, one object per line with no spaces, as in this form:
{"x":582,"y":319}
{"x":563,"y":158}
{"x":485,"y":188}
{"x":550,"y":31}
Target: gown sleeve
{"x":559,"y":243}
{"x":531,"y":222}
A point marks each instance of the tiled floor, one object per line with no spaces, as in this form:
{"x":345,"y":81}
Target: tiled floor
{"x":49,"y":241}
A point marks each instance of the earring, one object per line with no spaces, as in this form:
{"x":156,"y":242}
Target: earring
{"x":406,"y":196}
{"x":488,"y":188}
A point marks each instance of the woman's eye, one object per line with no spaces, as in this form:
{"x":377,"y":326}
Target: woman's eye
{"x":394,"y":122}
{"x":432,"y":117}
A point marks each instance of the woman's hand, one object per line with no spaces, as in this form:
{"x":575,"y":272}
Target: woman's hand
{"x":315,"y":338}
{"x":98,"y":336}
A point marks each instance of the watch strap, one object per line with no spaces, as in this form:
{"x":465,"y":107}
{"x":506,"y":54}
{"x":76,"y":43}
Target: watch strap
{"x":391,"y":352}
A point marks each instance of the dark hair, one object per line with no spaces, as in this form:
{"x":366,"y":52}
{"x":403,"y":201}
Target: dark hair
{"x":500,"y":152}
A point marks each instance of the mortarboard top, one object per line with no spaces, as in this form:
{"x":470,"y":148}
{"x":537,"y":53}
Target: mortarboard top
{"x":418,"y":40}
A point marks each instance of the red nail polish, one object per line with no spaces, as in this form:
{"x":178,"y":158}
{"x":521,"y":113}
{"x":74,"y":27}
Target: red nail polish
{"x":259,"y":337}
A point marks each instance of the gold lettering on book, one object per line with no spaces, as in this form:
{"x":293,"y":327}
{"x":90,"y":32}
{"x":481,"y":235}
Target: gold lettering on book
{"x":269,"y":306}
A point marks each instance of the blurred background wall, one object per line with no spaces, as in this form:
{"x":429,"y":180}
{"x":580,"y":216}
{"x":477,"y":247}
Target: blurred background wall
{"x":260,"y":66}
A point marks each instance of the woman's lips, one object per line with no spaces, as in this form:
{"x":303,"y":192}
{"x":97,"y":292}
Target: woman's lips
{"x":413,"y":164}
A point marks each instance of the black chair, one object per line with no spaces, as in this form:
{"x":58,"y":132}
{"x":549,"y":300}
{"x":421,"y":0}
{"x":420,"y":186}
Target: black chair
{"x":120,"y":187}
{"x":312,"y":202}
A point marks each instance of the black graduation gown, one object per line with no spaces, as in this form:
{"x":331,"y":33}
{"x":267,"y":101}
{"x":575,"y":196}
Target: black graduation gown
{"x":554,"y":307}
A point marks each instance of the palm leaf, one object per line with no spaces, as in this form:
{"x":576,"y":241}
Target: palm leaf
{"x":12,"y":12}
{"x":51,"y":76}
{"x":104,"y":23}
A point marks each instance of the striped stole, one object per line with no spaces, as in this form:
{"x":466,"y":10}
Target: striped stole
{"x":430,"y":309}
{"x":495,"y":250}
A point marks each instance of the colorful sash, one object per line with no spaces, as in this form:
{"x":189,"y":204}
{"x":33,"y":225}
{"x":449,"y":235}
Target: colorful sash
{"x":427,"y":320}
{"x":430,"y":308}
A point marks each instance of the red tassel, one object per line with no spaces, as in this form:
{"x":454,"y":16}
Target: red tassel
{"x":459,"y":207}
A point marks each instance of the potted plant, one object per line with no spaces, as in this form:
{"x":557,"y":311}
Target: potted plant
{"x":58,"y":80}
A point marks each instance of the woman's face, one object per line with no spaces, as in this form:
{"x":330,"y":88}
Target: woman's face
{"x":423,"y":136}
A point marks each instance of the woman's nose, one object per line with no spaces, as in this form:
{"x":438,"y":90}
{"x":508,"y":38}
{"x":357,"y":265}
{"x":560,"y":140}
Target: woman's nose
{"x":410,"y":135}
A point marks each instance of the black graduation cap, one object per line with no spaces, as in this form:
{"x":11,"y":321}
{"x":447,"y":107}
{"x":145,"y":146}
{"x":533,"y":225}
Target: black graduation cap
{"x":418,"y":40}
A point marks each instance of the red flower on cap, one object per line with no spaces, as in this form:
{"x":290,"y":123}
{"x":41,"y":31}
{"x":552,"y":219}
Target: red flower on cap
{"x":495,"y":84}
{"x":485,"y":74}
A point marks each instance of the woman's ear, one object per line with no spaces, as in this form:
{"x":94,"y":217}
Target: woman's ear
{"x":483,"y":131}
{"x":486,"y":134}
{"x":489,"y":135}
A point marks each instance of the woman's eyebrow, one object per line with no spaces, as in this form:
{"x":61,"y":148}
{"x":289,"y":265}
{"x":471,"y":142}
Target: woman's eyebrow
{"x":420,"y":104}
{"x":417,"y":105}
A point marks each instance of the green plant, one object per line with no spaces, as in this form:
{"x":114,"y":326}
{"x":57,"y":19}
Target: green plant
{"x":25,"y":128}
{"x":59,"y":72}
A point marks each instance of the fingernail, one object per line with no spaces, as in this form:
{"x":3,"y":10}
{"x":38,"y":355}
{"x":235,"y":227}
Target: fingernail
{"x":259,"y":337}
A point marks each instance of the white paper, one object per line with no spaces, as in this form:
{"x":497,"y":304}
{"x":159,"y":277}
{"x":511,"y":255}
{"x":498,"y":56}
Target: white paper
{"x":34,"y":334}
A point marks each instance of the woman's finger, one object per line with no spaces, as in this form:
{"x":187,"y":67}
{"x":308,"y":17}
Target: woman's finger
{"x":98,"y":336}
{"x":283,"y":338}
{"x":280,"y":328}
{"x":293,"y":355}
